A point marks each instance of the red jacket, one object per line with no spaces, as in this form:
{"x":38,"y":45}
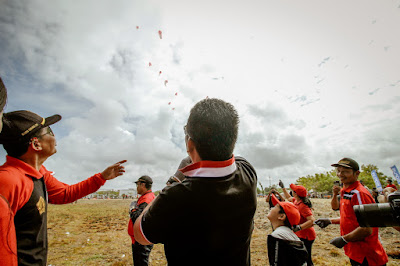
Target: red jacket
{"x":141,"y":204}
{"x":16,"y":179}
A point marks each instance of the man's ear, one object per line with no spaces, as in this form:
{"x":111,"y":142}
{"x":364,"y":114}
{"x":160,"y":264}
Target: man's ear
{"x":35,"y":144}
{"x":192,"y":151}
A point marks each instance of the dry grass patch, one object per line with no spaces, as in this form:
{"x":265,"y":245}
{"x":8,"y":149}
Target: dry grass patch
{"x":94,"y":232}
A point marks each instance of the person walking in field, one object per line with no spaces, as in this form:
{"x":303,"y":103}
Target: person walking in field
{"x":28,"y":186}
{"x":361,"y":244}
{"x":207,"y":219}
{"x":140,"y":253}
{"x":305,"y":229}
{"x":284,"y":246}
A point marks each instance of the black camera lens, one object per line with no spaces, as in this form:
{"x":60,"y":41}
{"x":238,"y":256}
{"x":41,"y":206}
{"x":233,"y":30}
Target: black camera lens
{"x":375,"y":215}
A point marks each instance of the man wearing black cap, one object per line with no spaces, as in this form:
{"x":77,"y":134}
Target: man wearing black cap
{"x":28,"y":186}
{"x":140,"y":253}
{"x":207,"y":219}
{"x":361,"y":244}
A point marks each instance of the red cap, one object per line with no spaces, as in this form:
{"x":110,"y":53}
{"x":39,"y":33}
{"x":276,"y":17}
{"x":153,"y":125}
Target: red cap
{"x":300,"y":190}
{"x":292,"y":213}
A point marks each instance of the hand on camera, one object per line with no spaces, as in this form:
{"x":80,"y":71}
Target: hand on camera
{"x":281,"y":184}
{"x":323,"y":222}
{"x":338,"y":242}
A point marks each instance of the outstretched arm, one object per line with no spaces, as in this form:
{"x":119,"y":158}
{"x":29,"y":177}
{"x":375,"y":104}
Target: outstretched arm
{"x":61,"y":193}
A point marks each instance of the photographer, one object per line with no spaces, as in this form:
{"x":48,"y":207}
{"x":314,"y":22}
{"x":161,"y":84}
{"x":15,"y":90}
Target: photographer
{"x":361,"y":244}
{"x":268,"y":199}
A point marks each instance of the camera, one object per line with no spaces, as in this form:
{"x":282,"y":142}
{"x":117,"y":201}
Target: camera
{"x":379,"y":214}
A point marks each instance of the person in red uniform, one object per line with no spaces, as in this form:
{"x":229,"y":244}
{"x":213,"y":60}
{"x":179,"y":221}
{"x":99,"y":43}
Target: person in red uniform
{"x":140,"y":253}
{"x":361,"y":244}
{"x":27,"y":187}
{"x":5,"y":213}
{"x":305,"y":228}
{"x":390,"y":184}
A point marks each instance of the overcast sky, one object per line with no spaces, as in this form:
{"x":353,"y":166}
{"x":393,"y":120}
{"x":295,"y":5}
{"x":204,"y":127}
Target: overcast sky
{"x":313,"y":81}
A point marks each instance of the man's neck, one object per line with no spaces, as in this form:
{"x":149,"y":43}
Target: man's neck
{"x":348,"y":185}
{"x":276,"y":224}
{"x":33,"y":160}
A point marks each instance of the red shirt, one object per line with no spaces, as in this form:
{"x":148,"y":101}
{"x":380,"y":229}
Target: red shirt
{"x":371,"y":247}
{"x":392,"y":185}
{"x":145,"y":198}
{"x":16,"y":188}
{"x":305,"y":211}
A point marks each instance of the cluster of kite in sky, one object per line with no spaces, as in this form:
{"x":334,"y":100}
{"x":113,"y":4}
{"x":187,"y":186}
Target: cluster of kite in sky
{"x":160,"y":72}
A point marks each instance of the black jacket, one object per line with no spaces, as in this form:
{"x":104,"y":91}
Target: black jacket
{"x":286,"y":252}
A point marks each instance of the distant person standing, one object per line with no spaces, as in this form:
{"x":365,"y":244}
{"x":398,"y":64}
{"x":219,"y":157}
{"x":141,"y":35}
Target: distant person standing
{"x":390,"y":184}
{"x":375,"y":194}
{"x":361,"y":244}
{"x":305,"y":228}
{"x":28,"y":186}
{"x":140,"y":253}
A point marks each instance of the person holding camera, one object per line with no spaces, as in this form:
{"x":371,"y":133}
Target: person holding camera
{"x":305,"y":228}
{"x":214,"y":205}
{"x":268,"y":199}
{"x":140,"y":253}
{"x":361,"y":244}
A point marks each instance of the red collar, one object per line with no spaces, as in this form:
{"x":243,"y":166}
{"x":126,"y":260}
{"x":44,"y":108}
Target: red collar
{"x":352,"y":186}
{"x":210,"y":168}
{"x":26,"y":168}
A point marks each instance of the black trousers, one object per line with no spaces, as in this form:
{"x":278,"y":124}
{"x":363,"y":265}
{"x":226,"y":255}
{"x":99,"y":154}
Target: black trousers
{"x":141,"y":254}
{"x":364,"y":263}
{"x":308,"y":244}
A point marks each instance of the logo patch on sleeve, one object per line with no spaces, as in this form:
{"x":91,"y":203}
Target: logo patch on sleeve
{"x":41,"y":205}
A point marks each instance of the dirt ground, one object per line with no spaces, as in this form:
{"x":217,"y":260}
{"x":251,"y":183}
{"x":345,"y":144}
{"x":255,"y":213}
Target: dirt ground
{"x":94,"y":232}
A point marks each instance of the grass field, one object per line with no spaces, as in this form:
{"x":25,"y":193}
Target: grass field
{"x":94,"y":232}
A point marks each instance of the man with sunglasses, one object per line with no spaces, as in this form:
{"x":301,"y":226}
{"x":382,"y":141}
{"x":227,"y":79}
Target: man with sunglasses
{"x":140,"y":253}
{"x":207,"y":219}
{"x":28,"y":186}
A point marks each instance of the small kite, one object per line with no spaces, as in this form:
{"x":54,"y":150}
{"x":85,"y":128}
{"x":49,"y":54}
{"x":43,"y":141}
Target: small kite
{"x":149,"y":63}
{"x":165,"y":82}
{"x":137,"y":27}
{"x":173,"y":109}
{"x":159,"y":73}
{"x":160,"y":34}
{"x":169,"y":103}
{"x":176,"y":94}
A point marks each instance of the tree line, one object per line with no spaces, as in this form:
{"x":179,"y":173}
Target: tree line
{"x":323,"y":182}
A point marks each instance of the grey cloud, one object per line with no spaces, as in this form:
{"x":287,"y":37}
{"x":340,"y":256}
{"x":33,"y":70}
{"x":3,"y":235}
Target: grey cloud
{"x":271,"y":146}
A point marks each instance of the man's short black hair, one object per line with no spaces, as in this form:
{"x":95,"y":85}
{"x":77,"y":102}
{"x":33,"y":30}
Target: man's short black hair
{"x":17,"y":149}
{"x":213,"y":126}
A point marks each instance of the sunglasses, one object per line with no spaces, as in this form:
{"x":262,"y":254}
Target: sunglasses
{"x":49,"y":131}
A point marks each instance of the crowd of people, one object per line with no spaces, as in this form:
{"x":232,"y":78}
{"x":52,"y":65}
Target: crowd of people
{"x":211,"y":198}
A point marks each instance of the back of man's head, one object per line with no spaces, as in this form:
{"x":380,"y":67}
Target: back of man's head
{"x":213,"y":127}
